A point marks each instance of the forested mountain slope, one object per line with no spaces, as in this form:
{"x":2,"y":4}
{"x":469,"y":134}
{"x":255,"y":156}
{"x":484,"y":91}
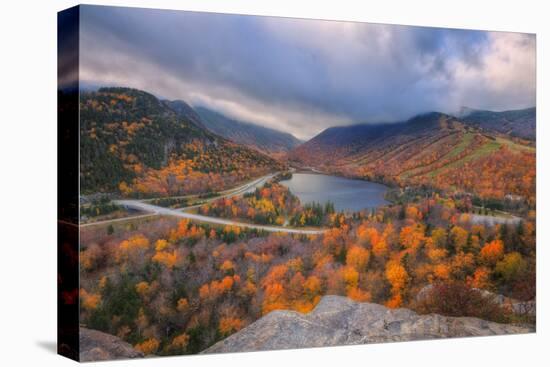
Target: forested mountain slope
{"x":259,"y":137}
{"x":518,"y":123}
{"x":136,"y":144}
{"x":432,"y":149}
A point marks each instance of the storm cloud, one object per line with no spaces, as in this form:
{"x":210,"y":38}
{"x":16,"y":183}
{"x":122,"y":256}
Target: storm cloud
{"x":302,"y":76}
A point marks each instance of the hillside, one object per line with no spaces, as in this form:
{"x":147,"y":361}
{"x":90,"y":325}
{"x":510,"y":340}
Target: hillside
{"x":186,"y":112}
{"x":338,"y":320}
{"x":517,"y":123}
{"x":262,"y":138}
{"x":135,"y":144}
{"x":433,"y":149}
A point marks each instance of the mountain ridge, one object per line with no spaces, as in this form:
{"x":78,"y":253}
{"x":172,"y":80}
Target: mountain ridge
{"x":433,"y":149}
{"x":132,"y":142}
{"x":352,"y":138}
{"x":184,"y":110}
{"x":247,"y":133}
{"x":517,"y":123}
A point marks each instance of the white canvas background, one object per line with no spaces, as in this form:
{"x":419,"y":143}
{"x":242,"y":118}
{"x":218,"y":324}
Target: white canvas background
{"x":28,"y":182}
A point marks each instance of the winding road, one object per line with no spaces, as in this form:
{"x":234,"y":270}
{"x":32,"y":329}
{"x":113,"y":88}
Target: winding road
{"x":143,"y":205}
{"x":135,"y":204}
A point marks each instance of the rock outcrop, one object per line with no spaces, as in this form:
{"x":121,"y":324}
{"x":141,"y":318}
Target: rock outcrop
{"x":98,"y":346}
{"x":338,"y":320}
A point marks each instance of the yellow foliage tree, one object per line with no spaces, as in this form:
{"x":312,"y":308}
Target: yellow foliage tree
{"x":350,"y":276}
{"x":149,"y":346}
{"x":358,"y":295}
{"x":227,"y":266}
{"x":183,"y":305}
{"x":229,"y":325}
{"x":459,"y":236}
{"x":180,"y":342}
{"x":396,"y":275}
{"x":312,"y":287}
{"x":358,"y":257}
{"x":168,"y":259}
{"x":142,"y":288}
{"x":161,"y":245}
{"x":89,"y":301}
{"x":412,"y":237}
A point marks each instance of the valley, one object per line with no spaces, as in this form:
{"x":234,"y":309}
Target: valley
{"x":190,"y":235}
{"x":432,"y":150}
{"x":231,"y":183}
{"x":263,"y":139}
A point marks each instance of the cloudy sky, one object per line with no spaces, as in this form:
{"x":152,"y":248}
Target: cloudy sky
{"x":302,"y":76}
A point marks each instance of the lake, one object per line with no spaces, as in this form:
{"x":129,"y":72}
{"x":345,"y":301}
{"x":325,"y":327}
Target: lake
{"x":346,"y":194}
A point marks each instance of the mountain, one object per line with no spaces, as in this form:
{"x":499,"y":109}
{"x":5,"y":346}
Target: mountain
{"x":262,"y":138}
{"x":338,"y":320}
{"x":432,"y":149}
{"x":133,"y":143}
{"x":517,"y":123}
{"x":348,"y":141}
{"x":186,"y":112}
{"x":367,"y":142}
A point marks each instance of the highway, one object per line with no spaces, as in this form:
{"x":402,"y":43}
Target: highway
{"x":136,"y":204}
{"x":143,"y":205}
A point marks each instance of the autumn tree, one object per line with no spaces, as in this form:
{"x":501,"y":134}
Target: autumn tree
{"x":149,"y":346}
{"x":459,"y":238}
{"x":492,"y":252}
{"x":412,"y":237}
{"x":358,"y":257}
{"x":397,"y":276}
{"x":511,"y":267}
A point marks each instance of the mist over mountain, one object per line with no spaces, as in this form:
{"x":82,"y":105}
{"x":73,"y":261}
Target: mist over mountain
{"x":432,"y":149}
{"x":303,"y":75}
{"x":246,"y":133}
{"x":182,"y":109}
{"x":518,"y":123}
{"x":343,"y":141}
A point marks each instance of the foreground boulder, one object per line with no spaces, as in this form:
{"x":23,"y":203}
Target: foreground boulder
{"x":338,"y":320}
{"x":98,"y":346}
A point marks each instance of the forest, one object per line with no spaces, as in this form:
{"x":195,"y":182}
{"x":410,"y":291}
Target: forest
{"x":432,"y":150}
{"x":273,"y":204}
{"x":172,"y":287}
{"x":135,"y":145}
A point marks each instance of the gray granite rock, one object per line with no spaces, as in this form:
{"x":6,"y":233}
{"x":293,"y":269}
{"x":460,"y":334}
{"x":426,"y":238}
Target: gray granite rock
{"x":340,"y":321}
{"x":98,"y":346}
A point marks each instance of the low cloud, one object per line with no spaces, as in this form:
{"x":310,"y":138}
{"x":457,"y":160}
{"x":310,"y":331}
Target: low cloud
{"x":302,"y":76}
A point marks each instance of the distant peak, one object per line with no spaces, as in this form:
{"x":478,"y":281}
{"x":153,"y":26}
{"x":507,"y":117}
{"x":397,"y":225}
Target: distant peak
{"x":427,"y":118}
{"x":465,"y":111}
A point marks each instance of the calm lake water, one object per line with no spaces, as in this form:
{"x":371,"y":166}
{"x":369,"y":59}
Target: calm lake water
{"x":346,"y":194}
